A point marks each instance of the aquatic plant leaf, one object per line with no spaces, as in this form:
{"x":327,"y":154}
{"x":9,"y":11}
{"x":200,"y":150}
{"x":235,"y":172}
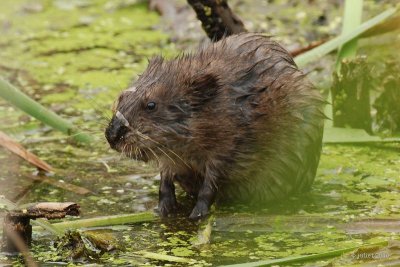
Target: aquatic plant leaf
{"x":33,"y":108}
{"x":351,"y":20}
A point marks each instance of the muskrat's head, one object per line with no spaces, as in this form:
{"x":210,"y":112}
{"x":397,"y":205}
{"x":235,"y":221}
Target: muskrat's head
{"x":152,"y":118}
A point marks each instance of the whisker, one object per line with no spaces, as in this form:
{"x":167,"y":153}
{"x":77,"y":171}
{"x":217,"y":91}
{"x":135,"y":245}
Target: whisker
{"x":140,"y":153}
{"x":150,"y":139}
{"x":165,"y":153}
{"x":147,"y":155}
{"x":155,"y":155}
{"x":97,"y":107}
{"x":123,"y":150}
{"x":136,"y":152}
{"x":130,"y":152}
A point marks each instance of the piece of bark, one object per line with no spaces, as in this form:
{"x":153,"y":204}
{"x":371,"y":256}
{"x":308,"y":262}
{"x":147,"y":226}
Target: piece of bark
{"x":17,"y":222}
{"x":18,"y":149}
{"x":48,"y":210}
{"x":217,"y":18}
{"x":53,"y":210}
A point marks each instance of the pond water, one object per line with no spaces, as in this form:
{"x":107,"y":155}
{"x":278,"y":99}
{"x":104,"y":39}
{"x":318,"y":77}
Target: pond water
{"x":76,"y":56}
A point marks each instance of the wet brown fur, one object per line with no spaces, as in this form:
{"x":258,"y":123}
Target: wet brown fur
{"x":237,"y":114}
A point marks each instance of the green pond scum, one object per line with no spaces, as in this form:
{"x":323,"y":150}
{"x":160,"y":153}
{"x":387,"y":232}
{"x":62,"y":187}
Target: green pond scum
{"x":75,"y":56}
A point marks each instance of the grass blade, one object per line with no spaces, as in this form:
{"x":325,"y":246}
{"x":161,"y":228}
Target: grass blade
{"x":33,"y":108}
{"x":106,"y":221}
{"x":351,"y":20}
{"x":335,"y":43}
{"x":47,"y":226}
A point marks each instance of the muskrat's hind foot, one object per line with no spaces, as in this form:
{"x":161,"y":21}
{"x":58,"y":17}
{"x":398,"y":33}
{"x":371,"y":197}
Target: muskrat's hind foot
{"x":167,"y":200}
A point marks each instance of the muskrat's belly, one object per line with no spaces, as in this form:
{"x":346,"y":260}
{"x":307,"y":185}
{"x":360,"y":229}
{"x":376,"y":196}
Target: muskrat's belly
{"x":279,"y":171}
{"x":267,"y":176}
{"x":262,"y":189}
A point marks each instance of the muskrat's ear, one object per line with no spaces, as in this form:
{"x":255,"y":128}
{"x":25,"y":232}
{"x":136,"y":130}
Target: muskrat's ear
{"x":205,"y":86}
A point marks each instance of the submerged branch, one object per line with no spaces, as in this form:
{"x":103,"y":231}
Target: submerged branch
{"x":217,"y":18}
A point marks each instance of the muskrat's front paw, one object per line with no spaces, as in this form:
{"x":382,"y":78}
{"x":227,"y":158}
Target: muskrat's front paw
{"x":199,"y":211}
{"x":167,"y":206}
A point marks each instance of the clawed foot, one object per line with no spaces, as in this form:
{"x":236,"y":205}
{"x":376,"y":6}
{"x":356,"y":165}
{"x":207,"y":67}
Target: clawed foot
{"x":199,"y":211}
{"x":167,"y":206}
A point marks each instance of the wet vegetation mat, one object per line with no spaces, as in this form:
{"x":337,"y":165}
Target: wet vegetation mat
{"x":75,"y":56}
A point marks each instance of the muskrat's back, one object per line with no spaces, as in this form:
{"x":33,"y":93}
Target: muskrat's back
{"x":244,"y":123}
{"x":268,"y":118}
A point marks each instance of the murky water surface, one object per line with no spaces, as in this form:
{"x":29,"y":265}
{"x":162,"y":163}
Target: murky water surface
{"x":75,"y":56}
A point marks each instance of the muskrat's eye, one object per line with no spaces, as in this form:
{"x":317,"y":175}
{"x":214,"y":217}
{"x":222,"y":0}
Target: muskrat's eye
{"x":151,"y":105}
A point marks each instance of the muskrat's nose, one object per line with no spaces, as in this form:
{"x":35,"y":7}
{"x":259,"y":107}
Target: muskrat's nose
{"x":115,"y":131}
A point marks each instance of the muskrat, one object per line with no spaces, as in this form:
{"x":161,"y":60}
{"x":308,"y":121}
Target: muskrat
{"x":236,"y":121}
